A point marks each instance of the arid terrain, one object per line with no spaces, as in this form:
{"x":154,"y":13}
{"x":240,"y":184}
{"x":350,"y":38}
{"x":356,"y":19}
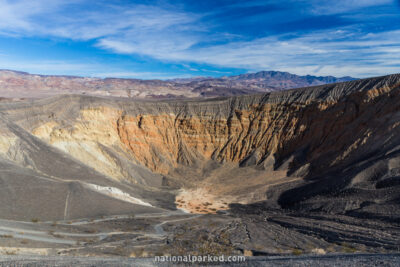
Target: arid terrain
{"x":313,"y":170}
{"x":20,"y":85}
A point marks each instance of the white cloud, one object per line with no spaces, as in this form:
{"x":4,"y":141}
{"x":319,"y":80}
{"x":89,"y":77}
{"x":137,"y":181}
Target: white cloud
{"x":322,"y":53}
{"x":138,"y":75}
{"x":174,"y":36}
{"x":55,"y":18}
{"x":329,"y":7}
{"x":61,"y":67}
{"x":24,"y":17}
{"x":52,"y":67}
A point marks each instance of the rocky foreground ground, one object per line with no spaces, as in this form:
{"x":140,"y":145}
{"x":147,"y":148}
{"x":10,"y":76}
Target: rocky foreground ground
{"x":361,"y":260}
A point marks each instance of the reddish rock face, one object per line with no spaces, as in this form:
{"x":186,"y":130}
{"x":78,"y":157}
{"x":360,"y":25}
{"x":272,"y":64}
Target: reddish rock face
{"x":332,"y":131}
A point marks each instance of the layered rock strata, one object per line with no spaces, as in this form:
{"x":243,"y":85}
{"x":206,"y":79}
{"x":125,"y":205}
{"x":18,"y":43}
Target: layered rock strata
{"x":306,"y":133}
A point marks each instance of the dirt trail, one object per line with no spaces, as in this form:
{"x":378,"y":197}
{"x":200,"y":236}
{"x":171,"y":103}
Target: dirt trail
{"x":159,"y":229}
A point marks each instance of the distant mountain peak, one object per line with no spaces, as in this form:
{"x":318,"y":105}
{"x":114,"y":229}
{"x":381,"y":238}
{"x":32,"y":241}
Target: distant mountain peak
{"x":288,"y":75}
{"x":22,"y":84}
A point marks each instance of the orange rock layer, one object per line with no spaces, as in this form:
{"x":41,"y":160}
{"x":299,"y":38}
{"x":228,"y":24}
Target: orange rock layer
{"x":162,"y":141}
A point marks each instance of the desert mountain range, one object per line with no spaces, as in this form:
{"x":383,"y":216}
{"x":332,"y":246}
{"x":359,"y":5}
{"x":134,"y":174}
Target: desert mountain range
{"x":15,"y":84}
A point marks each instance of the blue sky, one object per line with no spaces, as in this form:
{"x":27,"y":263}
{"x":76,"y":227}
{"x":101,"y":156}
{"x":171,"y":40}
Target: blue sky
{"x":168,"y":39}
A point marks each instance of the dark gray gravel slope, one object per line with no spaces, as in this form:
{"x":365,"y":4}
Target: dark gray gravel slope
{"x":358,"y":260}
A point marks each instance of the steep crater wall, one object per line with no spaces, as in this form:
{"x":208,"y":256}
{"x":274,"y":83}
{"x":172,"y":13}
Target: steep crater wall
{"x":305,"y":133}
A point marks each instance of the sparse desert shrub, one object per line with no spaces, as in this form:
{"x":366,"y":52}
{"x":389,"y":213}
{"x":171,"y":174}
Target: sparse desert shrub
{"x":58,"y":235}
{"x":259,"y":247}
{"x":247,"y":253}
{"x":35,"y":220}
{"x":297,"y":252}
{"x":11,"y":252}
{"x":319,"y":251}
{"x":120,"y":251}
{"x":91,"y":231}
{"x":6,"y":236}
{"x":347,"y":248}
{"x":331,"y":248}
{"x":139,"y":252}
{"x":89,"y":240}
